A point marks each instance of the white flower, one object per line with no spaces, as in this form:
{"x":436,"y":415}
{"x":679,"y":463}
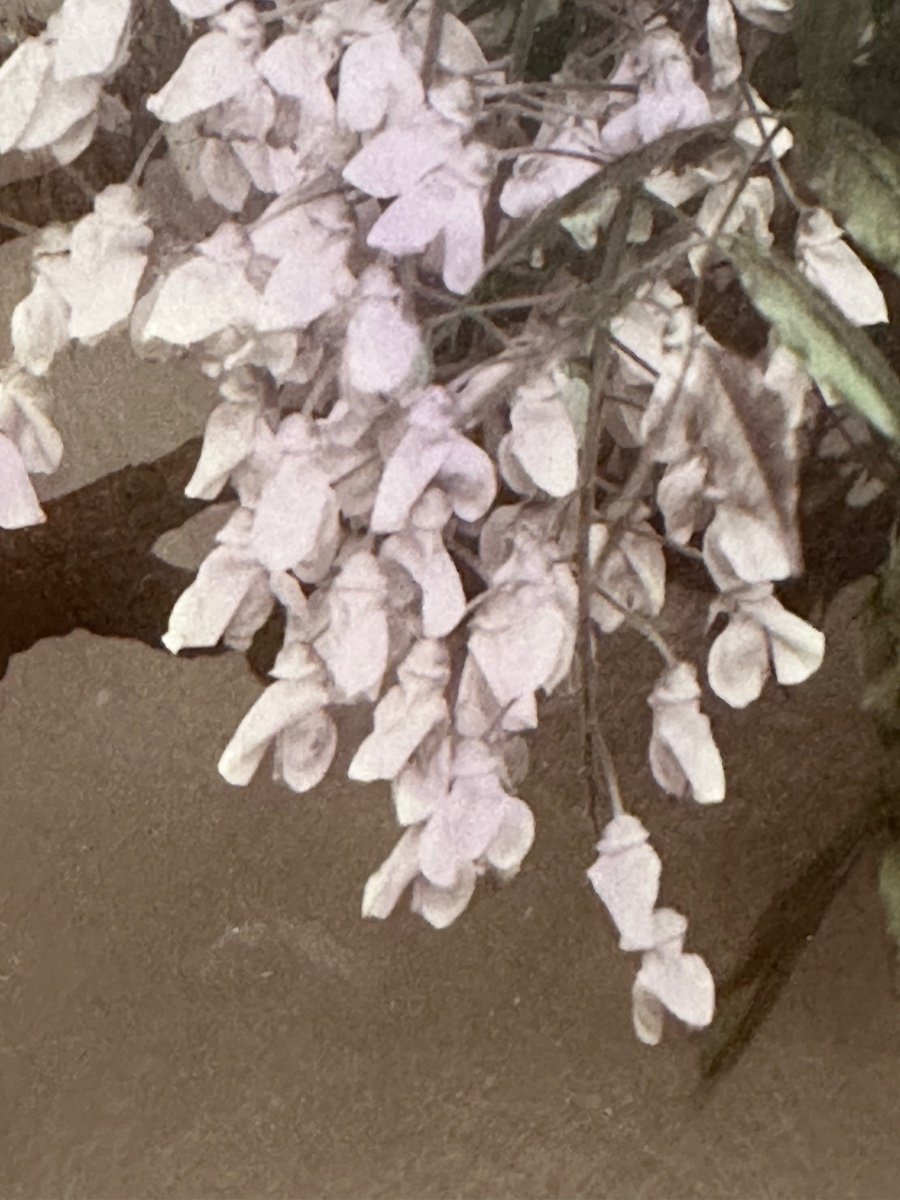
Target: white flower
{"x":431,"y":449}
{"x":670,"y":980}
{"x":634,"y":574}
{"x":761,"y":636}
{"x":668,"y":98}
{"x":542,"y":442}
{"x":355,"y":645}
{"x":406,"y":714}
{"x":421,"y":551}
{"x":229,"y":585}
{"x":384,"y":350}
{"x":290,"y":713}
{"x":626,"y":878}
{"x":683,"y":755}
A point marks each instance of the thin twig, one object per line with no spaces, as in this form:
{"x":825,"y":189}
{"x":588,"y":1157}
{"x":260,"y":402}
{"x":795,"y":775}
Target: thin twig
{"x":21,"y":227}
{"x":597,"y":751}
{"x":432,"y":42}
{"x":144,"y":157}
{"x":522,"y":35}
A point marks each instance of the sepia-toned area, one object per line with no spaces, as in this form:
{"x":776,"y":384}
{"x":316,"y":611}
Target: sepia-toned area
{"x":191,"y":1004}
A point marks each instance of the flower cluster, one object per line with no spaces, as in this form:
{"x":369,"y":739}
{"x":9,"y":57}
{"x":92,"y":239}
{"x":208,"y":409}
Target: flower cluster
{"x":417,"y":515}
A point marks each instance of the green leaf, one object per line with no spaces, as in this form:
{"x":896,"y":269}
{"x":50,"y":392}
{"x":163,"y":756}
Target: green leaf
{"x":827,"y":34}
{"x":855,"y":175}
{"x":836,"y":353}
{"x":889,"y":889}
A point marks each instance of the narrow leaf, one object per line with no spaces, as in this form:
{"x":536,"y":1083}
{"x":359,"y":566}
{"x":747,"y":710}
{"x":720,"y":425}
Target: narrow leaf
{"x":836,"y":353}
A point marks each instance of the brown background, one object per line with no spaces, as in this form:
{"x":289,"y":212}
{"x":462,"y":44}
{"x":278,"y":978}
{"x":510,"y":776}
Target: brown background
{"x":191,"y":1005}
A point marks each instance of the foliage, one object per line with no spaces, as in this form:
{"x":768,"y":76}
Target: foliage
{"x":449,"y":290}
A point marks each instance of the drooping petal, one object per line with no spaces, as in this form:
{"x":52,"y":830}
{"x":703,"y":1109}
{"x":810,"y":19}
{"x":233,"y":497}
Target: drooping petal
{"x":385,"y":886}
{"x":39,"y":327}
{"x":738,"y":664}
{"x":683,"y":753}
{"x":827,"y":261}
{"x":543,"y":442}
{"x":797,"y":647}
{"x":19,"y":505}
{"x":305,"y":751}
{"x":227,"y":441}
{"x":284,"y":702}
{"x":214,"y":70}
{"x":205,"y":609}
{"x":441,"y":906}
{"x":87,"y":36}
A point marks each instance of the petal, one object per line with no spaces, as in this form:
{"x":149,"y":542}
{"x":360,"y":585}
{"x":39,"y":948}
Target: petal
{"x":40,"y":327}
{"x":375,"y":80}
{"x":204,"y":610}
{"x":402,"y":722}
{"x":88,"y":35}
{"x":682,"y":745}
{"x":225,"y":177}
{"x":738,"y":663}
{"x":19,"y":505}
{"x":797,"y":647}
{"x":62,"y":106}
{"x":199,"y":298}
{"x":283,"y":703}
{"x":397,"y":158}
{"x":214,"y":69}
{"x":513,"y":839}
{"x":441,"y":906}
{"x":227,"y":441}
{"x":382,"y":347}
{"x":305,"y":751}
{"x":721,"y":33}
{"x":837,"y":271}
{"x":543,"y":441}
{"x":385,"y":886}
{"x":295,"y":512}
{"x":427,"y":561}
{"x":467,"y":476}
{"x":682,"y":983}
{"x":22,"y":79}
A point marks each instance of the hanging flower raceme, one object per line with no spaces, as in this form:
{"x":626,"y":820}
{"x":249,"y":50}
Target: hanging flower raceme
{"x":384,"y":350}
{"x":626,"y":878}
{"x":473,"y":826}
